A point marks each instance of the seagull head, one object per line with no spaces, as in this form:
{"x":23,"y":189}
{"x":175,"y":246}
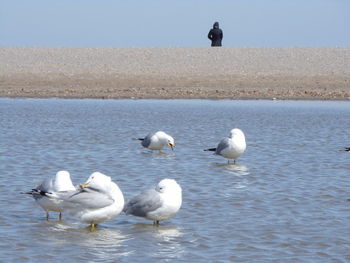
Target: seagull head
{"x":168,"y":185}
{"x":237,"y":133}
{"x":97,"y":180}
{"x":166,"y":139}
{"x":171,"y":142}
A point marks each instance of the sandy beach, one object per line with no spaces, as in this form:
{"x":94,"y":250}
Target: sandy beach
{"x":176,"y":72}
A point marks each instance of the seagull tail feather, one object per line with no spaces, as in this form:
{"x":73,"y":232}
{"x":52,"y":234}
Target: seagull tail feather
{"x":210,"y":150}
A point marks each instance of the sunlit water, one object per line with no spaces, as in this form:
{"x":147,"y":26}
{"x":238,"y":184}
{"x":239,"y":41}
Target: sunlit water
{"x":286,"y":200}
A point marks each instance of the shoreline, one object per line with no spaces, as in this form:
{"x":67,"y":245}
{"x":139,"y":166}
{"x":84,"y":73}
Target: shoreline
{"x":310,"y":73}
{"x":175,"y":99}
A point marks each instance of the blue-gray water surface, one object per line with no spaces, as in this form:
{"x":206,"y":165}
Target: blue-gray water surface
{"x":286,"y":199}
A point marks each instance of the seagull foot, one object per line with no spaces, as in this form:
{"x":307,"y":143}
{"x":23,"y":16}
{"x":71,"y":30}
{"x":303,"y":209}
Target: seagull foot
{"x":93,"y":227}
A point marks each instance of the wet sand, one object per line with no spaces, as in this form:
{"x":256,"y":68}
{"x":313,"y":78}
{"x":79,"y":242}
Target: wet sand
{"x":176,"y":72}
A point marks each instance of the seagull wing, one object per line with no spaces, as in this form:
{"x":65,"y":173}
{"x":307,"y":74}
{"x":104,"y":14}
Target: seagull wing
{"x":143,"y":203}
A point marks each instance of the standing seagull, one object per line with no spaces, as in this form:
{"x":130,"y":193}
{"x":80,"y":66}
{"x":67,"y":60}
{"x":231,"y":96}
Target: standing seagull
{"x":157,"y":141}
{"x":98,"y":200}
{"x":157,"y":204}
{"x":60,"y":183}
{"x":231,"y":147}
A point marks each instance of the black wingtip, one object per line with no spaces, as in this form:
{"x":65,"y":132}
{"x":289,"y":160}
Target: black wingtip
{"x":138,"y":139}
{"x":37,"y":192}
{"x":210,"y":150}
{"x":31,"y":192}
{"x":347,"y":149}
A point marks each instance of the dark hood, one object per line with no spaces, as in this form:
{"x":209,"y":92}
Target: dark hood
{"x":216,"y":25}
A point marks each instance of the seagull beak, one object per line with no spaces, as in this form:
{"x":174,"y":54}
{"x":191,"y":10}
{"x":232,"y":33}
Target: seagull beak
{"x":172,"y":146}
{"x":82,"y":186}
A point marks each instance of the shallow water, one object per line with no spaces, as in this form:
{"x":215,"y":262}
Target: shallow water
{"x":286,"y":200}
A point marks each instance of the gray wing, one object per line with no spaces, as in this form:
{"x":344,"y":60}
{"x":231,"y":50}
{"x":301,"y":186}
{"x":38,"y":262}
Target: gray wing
{"x":223,"y":144}
{"x":84,"y":199}
{"x":147,"y":140}
{"x":143,"y":203}
{"x":46,"y":185}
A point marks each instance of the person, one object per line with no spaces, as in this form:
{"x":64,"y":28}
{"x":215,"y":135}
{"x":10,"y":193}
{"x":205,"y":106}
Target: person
{"x":215,"y":35}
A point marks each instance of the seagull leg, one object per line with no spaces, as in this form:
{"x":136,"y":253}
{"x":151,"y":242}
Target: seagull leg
{"x":234,"y":162}
{"x":60,"y":216}
{"x":92,"y":227}
{"x":47,"y":216}
{"x":156,"y":223}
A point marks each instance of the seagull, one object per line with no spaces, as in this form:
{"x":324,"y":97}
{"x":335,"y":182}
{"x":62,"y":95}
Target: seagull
{"x":231,"y":147}
{"x":157,"y":141}
{"x":157,"y":204}
{"x":60,"y":183}
{"x":98,"y":200}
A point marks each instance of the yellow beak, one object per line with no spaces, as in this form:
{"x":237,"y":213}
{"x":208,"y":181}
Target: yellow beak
{"x":82,"y":186}
{"x":172,"y":146}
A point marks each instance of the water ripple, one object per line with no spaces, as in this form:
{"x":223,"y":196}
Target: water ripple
{"x":285,"y":200}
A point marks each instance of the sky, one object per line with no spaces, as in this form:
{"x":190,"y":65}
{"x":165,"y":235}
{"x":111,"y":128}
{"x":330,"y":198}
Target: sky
{"x":152,"y":23}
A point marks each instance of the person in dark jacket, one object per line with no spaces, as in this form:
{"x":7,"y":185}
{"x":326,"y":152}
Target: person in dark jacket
{"x":215,"y":35}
